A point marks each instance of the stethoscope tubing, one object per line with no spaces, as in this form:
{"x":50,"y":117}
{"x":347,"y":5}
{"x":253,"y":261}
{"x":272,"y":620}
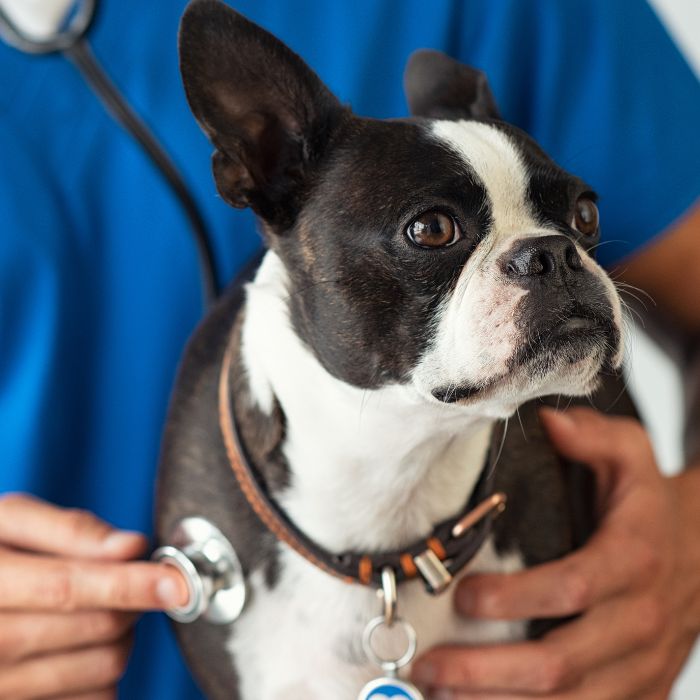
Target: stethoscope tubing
{"x":72,"y":43}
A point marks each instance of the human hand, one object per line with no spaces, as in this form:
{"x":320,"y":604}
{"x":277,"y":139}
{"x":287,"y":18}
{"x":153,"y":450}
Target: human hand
{"x":68,"y":593}
{"x":634,"y":587}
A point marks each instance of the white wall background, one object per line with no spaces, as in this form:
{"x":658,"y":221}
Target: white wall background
{"x":654,"y":381}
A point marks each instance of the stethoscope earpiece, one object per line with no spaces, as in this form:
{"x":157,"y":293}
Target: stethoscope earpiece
{"x":63,"y":38}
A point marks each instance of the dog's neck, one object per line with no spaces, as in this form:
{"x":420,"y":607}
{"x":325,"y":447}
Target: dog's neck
{"x":369,"y":469}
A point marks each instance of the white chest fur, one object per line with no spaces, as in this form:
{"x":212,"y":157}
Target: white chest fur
{"x":369,"y":470}
{"x":301,"y":640}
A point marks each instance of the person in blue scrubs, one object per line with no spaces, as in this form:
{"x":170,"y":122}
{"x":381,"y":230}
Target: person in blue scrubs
{"x":99,"y":286}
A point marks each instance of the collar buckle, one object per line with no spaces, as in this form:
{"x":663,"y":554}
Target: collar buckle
{"x":432,"y":568}
{"x":435,"y":574}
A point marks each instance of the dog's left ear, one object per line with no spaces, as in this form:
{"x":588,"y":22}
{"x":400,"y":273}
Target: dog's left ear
{"x":266,"y":112}
{"x":439,"y":87}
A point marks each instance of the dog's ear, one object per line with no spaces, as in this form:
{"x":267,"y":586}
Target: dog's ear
{"x":266,"y":112}
{"x":439,"y":87}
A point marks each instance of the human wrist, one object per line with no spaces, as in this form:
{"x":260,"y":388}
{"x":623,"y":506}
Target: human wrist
{"x":686,"y":489}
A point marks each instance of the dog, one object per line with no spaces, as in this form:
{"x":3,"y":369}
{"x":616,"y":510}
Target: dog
{"x":424,"y":278}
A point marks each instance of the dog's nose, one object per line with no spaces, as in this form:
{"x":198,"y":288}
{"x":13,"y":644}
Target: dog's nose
{"x":539,"y":258}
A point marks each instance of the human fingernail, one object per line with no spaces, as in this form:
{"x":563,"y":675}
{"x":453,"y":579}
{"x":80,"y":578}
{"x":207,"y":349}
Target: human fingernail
{"x":424,"y":672}
{"x":120,"y":541}
{"x":169,"y":593}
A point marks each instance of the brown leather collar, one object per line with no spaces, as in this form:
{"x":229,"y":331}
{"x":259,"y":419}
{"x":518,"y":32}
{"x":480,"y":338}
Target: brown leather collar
{"x":438,"y":558}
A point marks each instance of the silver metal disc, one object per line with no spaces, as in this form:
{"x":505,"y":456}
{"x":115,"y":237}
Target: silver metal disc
{"x":211,"y":568}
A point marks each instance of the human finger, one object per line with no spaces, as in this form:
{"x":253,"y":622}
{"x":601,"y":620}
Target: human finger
{"x":80,"y":671}
{"x":33,"y":582}
{"x":105,"y":694}
{"x":602,"y":442}
{"x":34,"y":634}
{"x":31,"y":524}
{"x":560,"y":588}
{"x":628,"y":677}
{"x":559,"y":661}
{"x":523,"y":667}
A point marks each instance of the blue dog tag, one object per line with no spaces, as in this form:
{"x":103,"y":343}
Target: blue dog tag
{"x":389,"y":689}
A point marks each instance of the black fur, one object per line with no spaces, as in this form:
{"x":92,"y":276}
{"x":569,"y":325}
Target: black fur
{"x":267,"y":113}
{"x":439,"y":87}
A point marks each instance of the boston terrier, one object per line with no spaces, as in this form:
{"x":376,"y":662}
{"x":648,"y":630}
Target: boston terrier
{"x":423,"y":280}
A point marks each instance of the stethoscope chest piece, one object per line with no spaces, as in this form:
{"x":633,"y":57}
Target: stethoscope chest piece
{"x":211,"y":568}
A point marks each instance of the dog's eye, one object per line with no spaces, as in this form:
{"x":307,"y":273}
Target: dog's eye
{"x":434,"y":230}
{"x":586,"y":217}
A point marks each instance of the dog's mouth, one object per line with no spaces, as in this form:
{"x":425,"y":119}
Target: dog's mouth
{"x":580,"y":336}
{"x":456,"y":393}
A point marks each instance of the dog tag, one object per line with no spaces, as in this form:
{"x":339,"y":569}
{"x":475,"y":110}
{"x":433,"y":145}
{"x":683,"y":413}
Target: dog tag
{"x":389,"y":688}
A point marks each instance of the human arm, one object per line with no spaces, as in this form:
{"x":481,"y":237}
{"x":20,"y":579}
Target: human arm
{"x":668,"y":270}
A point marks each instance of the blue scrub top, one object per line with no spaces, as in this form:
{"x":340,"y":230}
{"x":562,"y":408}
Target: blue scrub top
{"x":99,"y":287}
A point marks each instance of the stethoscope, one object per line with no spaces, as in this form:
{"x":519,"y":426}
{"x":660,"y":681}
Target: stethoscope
{"x":70,"y":40}
{"x":197,"y":548}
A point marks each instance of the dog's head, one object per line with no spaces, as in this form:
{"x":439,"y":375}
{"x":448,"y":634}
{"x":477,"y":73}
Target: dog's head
{"x":446,"y":252}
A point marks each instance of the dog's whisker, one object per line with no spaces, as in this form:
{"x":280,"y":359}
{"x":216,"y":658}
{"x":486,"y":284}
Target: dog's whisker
{"x":631,"y":312}
{"x":639,"y":300}
{"x":630,"y":287}
{"x":607,"y":241}
{"x":520,"y":420}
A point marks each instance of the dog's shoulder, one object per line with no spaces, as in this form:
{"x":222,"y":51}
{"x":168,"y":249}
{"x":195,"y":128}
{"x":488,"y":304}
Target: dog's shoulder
{"x":195,"y":478}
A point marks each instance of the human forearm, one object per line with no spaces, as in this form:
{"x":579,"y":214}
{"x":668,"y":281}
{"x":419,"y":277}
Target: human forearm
{"x":654,"y":269}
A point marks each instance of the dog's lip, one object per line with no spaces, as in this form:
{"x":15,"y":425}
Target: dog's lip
{"x":575,"y":329}
{"x":453,"y":394}
{"x":462,"y":392}
{"x":572,"y":329}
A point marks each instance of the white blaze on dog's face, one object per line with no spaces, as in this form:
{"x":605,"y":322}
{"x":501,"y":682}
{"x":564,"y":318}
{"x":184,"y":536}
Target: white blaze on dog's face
{"x":491,"y":347}
{"x":446,"y":253}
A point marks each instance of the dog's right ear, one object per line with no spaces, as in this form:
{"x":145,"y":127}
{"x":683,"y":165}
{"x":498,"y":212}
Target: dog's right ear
{"x":266,"y":112}
{"x":439,"y":87}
